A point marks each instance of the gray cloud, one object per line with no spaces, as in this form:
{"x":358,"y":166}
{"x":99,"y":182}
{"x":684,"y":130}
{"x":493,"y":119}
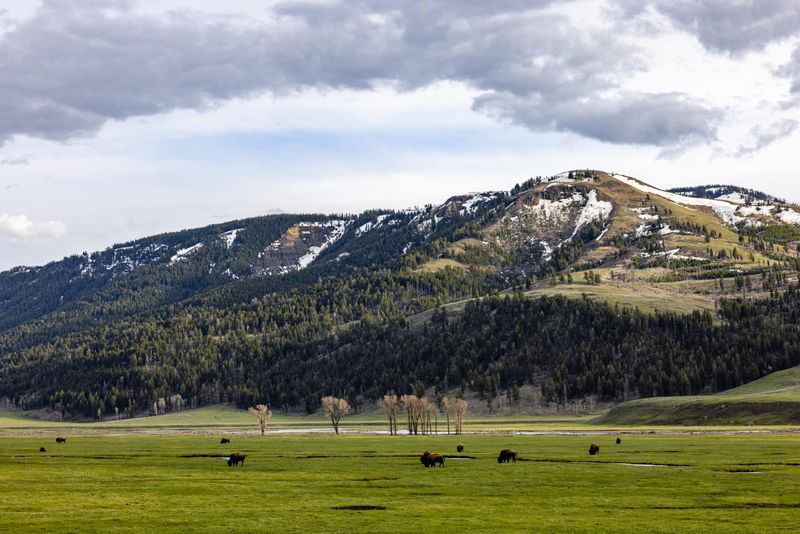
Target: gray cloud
{"x":78,"y":64}
{"x":732,"y":26}
{"x":650,"y":119}
{"x":791,"y":71}
{"x":762,"y":137}
{"x":15,"y":161}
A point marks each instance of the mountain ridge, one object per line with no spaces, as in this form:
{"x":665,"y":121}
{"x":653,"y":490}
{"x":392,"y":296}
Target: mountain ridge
{"x":231,"y":312}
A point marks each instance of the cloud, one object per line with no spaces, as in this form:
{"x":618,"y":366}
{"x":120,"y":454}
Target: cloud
{"x":730,"y":26}
{"x":75,"y":65}
{"x":791,"y":71}
{"x":665,"y":119}
{"x":15,"y":161}
{"x":20,"y":226}
{"x":762,"y":137}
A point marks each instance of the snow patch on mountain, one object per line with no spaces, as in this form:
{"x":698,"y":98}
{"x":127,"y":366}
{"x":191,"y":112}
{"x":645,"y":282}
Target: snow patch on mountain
{"x":230,"y":237}
{"x":181,"y":254}
{"x":372,"y":225}
{"x":724,"y":209}
{"x":472,"y":204}
{"x":338,"y":228}
{"x":789,"y":216}
{"x":593,"y":210}
{"x":671,"y":255}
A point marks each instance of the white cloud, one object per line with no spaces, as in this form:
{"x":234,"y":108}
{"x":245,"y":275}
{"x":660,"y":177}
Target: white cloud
{"x":21,"y":226}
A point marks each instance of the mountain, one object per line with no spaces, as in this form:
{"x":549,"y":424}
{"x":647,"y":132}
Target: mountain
{"x":584,"y":284}
{"x":736,"y":194}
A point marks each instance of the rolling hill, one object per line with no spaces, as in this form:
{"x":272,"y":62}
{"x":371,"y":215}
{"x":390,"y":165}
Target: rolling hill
{"x":584,"y":284}
{"x":773,"y":399}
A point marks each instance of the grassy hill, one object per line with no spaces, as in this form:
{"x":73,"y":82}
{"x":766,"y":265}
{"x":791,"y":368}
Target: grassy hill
{"x":773,"y":399}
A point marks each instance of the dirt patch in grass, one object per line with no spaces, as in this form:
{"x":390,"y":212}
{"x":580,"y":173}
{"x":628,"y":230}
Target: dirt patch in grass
{"x":733,"y":506}
{"x":359,"y":507}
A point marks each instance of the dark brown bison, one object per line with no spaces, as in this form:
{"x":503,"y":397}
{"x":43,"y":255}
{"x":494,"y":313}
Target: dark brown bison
{"x":424,"y":458}
{"x":460,"y":447}
{"x":223,"y":441}
{"x":42,"y":449}
{"x":594,"y":449}
{"x":435,"y":458}
{"x":430,"y":459}
{"x":61,"y":440}
{"x":507,"y":455}
{"x":235,"y":458}
{"x":619,"y":440}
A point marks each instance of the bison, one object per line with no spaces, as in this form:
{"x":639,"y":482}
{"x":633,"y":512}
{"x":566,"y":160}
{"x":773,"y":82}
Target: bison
{"x":235,"y":458}
{"x":42,"y":449}
{"x":61,"y":440}
{"x":619,"y":440}
{"x":223,"y":441}
{"x":460,"y":447}
{"x":594,"y":449}
{"x":430,"y":459}
{"x":424,"y":458}
{"x":507,"y":455}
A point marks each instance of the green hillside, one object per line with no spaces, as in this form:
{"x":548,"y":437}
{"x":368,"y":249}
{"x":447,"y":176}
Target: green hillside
{"x":773,"y":399}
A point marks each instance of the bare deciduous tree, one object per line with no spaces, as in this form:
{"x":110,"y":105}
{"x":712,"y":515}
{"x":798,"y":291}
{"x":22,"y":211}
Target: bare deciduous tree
{"x":411,"y":405}
{"x":446,"y":402}
{"x":427,"y":415}
{"x":420,"y":413}
{"x":391,"y":405}
{"x":162,"y":406}
{"x":335,"y":408}
{"x":262,"y":413}
{"x":459,"y":410}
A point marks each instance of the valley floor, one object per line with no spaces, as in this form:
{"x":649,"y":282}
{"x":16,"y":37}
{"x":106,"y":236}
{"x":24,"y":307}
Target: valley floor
{"x":170,"y":474}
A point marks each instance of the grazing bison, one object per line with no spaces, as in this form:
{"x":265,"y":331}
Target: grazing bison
{"x":460,"y":447}
{"x":430,"y":459}
{"x":61,"y":440}
{"x":42,"y":449}
{"x":424,"y":458}
{"x":223,"y":441}
{"x":235,"y":458}
{"x":507,"y":455}
{"x":619,"y":440}
{"x":594,"y":449}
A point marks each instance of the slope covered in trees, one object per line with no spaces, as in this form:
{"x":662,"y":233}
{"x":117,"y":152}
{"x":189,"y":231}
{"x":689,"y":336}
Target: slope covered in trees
{"x":286,"y":309}
{"x":573,"y":348}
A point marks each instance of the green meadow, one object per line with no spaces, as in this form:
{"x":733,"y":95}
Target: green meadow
{"x":771,"y":400}
{"x":126,"y":477}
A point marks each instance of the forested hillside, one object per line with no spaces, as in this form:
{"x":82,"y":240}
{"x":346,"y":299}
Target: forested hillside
{"x":582,"y":284}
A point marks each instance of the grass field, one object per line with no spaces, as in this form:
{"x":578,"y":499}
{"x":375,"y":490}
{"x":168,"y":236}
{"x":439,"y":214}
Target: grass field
{"x":126,"y":482}
{"x":647,"y":298}
{"x":773,"y":399}
{"x":168,"y":474}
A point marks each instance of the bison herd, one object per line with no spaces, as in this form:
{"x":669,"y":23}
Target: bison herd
{"x":428,"y":458}
{"x":432,"y":459}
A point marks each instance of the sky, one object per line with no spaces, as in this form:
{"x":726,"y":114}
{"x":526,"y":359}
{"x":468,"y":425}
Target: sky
{"x":121,"y":119}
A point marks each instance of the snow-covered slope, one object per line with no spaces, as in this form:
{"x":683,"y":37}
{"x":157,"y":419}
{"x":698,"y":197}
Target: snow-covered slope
{"x":732,"y":208}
